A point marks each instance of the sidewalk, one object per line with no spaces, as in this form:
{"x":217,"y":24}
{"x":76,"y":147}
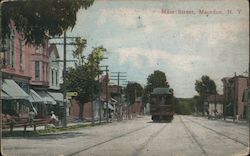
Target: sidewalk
{"x":72,"y":123}
{"x":31,"y":128}
{"x":228,"y":120}
{"x":240,"y":122}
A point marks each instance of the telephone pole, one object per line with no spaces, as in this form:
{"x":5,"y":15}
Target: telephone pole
{"x":118,"y":76}
{"x":64,"y":43}
{"x":248,"y":98}
{"x":106,"y":90}
{"x":235,"y":100}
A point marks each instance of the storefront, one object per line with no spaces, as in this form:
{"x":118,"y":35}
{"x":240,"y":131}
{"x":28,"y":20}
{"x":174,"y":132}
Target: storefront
{"x":15,"y":99}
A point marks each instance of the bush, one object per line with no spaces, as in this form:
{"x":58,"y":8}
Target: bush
{"x":184,"y":106}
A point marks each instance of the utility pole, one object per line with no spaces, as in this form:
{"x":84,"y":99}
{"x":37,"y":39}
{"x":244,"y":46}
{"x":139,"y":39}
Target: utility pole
{"x":248,"y":84}
{"x":100,"y":108}
{"x":92,"y":97}
{"x":64,"y":80}
{"x":65,"y":37}
{"x":235,"y":100}
{"x":1,"y":147}
{"x":119,"y":76}
{"x":106,"y":90}
{"x":248,"y":98}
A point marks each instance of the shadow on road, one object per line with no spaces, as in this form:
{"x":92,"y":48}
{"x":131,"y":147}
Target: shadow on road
{"x":34,"y":135}
{"x":159,"y":122}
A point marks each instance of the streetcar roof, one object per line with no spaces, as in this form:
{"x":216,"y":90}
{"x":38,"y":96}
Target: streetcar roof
{"x":162,"y":91}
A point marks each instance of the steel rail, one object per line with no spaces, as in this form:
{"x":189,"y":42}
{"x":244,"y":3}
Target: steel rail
{"x":109,"y":140}
{"x":194,"y":137}
{"x":220,"y":133}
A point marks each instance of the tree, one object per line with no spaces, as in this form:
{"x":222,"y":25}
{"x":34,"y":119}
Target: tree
{"x":185,"y":106}
{"x":82,"y":78}
{"x":198,"y":102}
{"x":205,"y":87}
{"x":132,"y":91}
{"x":156,"y":79}
{"x":40,"y":19}
{"x":80,"y":45}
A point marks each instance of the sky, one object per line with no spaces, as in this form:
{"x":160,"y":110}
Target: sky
{"x":192,"y":38}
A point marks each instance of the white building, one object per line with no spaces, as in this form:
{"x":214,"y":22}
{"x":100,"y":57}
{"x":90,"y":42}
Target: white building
{"x":54,"y":87}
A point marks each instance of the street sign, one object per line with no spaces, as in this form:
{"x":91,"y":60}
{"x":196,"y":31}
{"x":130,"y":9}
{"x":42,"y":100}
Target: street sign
{"x":69,"y":94}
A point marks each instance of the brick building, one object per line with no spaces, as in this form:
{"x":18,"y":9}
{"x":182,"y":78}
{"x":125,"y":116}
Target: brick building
{"x":233,"y":90}
{"x":25,"y":77}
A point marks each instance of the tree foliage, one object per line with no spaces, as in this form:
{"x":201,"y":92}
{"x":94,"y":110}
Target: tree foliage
{"x":80,"y":45}
{"x":205,"y":86}
{"x":82,"y":78}
{"x":184,"y":106}
{"x":40,"y":19}
{"x":156,"y":79}
{"x":132,"y":91}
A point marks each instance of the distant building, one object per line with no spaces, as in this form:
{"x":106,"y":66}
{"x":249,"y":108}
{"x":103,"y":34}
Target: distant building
{"x":215,"y":104}
{"x":233,"y":90}
{"x":106,"y":103}
{"x":137,"y":107}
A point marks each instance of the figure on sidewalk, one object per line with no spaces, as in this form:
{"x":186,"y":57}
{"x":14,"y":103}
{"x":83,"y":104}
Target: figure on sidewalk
{"x":53,"y":119}
{"x":32,"y":115}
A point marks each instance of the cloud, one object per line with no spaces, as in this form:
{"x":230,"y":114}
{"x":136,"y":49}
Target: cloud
{"x":181,"y":61}
{"x":136,"y":18}
{"x":218,"y":32}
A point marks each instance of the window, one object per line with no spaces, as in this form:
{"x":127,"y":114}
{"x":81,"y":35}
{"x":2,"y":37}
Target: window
{"x":52,"y":77}
{"x":37,"y":50}
{"x":56,"y":78}
{"x":47,"y":72}
{"x":11,"y":54}
{"x":37,"y":70}
{"x":43,"y":67}
{"x":21,"y":49}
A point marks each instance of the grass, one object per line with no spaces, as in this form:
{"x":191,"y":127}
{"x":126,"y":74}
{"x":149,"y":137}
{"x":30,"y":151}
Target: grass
{"x":43,"y":132}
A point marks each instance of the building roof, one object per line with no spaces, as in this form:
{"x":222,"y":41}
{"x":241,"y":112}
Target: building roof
{"x":52,"y":48}
{"x":230,"y":78}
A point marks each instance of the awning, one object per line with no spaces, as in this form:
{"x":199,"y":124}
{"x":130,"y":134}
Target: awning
{"x":56,"y":96}
{"x":47,"y":99}
{"x":12,"y":89}
{"x":5,"y":96}
{"x":34,"y":97}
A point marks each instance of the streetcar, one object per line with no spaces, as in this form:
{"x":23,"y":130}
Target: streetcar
{"x":162,"y":104}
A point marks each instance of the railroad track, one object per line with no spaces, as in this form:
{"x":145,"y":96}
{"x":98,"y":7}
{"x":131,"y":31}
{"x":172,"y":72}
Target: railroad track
{"x":222,"y":124}
{"x":152,"y":136}
{"x":220,"y":133}
{"x":194,"y":137}
{"x":109,"y":140}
